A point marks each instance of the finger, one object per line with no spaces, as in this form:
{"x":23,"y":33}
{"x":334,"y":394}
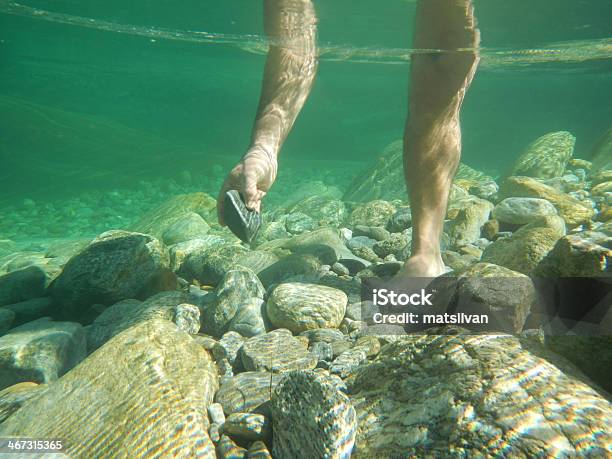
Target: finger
{"x":250,"y":192}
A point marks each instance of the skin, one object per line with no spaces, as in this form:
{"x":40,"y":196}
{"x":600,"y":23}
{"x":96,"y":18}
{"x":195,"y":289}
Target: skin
{"x":432,"y":138}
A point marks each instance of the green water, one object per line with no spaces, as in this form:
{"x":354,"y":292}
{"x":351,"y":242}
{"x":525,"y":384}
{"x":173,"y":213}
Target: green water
{"x":98,"y":95}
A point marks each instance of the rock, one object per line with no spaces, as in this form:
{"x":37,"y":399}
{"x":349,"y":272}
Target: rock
{"x":348,"y":360}
{"x":7,"y":317}
{"x":490,"y":229}
{"x":524,"y":249}
{"x":506,"y":297}
{"x":575,"y":256}
{"x":311,"y":418}
{"x":378,"y":233}
{"x":270,"y":231}
{"x":40,"y":351}
{"x":115,"y":266}
{"x":520,"y":211}
{"x":400,"y":220}
{"x":300,"y":307}
{"x":486,"y":189}
{"x":228,"y":347}
{"x":259,"y":450}
{"x":183,"y":250}
{"x":322,"y":351}
{"x":236,"y":292}
{"x":322,"y":209}
{"x":323,"y":335}
{"x":276,"y":351}
{"x":215,"y":412}
{"x":12,"y":398}
{"x":244,"y":427}
{"x":373,"y":213}
{"x":292,"y":265}
{"x":22,"y":284}
{"x":210,"y":262}
{"x":247,"y":392}
{"x":395,"y":245}
{"x":127,"y":313}
{"x":153,"y":380}
{"x":227,"y":449}
{"x":249,"y":319}
{"x":7,"y":247}
{"x":580,"y":351}
{"x":431,"y":394}
{"x":257,"y":260}
{"x":340,"y":269}
{"x":29,"y":310}
{"x":189,"y":226}
{"x":573,"y":211}
{"x":157,"y":221}
{"x":298,"y":223}
{"x":384,"y":179}
{"x":546,"y":157}
{"x":472,"y":214}
{"x":357,"y":242}
{"x":602,"y":152}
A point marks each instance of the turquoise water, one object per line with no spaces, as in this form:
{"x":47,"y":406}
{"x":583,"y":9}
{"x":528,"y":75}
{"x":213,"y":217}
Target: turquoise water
{"x":94,"y":95}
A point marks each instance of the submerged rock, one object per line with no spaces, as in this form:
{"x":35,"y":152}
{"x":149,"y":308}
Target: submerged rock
{"x":428,"y":395}
{"x":29,"y":310}
{"x":209,"y":262}
{"x":373,"y":213}
{"x":152,"y":380}
{"x":22,"y":284}
{"x":575,"y":256}
{"x":312,"y":418}
{"x":7,"y":317}
{"x":546,"y":157}
{"x":298,"y":223}
{"x":277,"y":351}
{"x":520,"y":211}
{"x":247,"y":392}
{"x":127,"y":313}
{"x":572,"y":210}
{"x":247,"y":426}
{"x":322,"y":209}
{"x":189,"y":226}
{"x":602,"y":152}
{"x":299,"y":306}
{"x":12,"y":398}
{"x":236,"y":293}
{"x":525,"y":248}
{"x":115,"y":266}
{"x":40,"y":351}
{"x":472,"y":214}
{"x":158,"y":220}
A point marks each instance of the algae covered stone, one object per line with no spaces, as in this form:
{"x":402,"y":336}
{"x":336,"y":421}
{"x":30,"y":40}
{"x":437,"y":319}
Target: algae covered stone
{"x":152,"y":380}
{"x":471,"y":214}
{"x":312,"y":418}
{"x":115,"y":266}
{"x":301,"y":306}
{"x":576,"y":256}
{"x":373,"y":213}
{"x":546,"y":157}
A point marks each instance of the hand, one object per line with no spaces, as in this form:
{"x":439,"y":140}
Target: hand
{"x":252,"y":177}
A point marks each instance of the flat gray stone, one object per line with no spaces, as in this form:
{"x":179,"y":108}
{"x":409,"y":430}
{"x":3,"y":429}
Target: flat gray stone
{"x":247,"y":392}
{"x":520,"y":211}
{"x":277,"y":351}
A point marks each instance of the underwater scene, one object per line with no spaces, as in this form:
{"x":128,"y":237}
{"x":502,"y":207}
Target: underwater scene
{"x":306,"y":229}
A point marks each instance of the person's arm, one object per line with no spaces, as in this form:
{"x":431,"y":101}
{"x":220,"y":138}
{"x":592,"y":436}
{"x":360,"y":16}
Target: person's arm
{"x":289,"y":73}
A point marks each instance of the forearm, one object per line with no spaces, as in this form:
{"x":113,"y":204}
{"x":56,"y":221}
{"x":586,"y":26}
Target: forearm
{"x":289,"y":73}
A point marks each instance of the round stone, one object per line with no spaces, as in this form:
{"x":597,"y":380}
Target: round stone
{"x":523,"y":210}
{"x":300,"y":306}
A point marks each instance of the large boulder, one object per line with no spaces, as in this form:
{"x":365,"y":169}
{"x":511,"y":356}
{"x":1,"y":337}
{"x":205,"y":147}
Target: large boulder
{"x":602,"y":152}
{"x":189,"y":226}
{"x":12,"y":398}
{"x":115,"y":266}
{"x":546,"y":157}
{"x":40,"y":351}
{"x":312,"y":418}
{"x":144,"y":393}
{"x":210,"y":261}
{"x":572,"y":210}
{"x":158,"y":220}
{"x":300,"y":306}
{"x":324,"y":210}
{"x":476,"y":396}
